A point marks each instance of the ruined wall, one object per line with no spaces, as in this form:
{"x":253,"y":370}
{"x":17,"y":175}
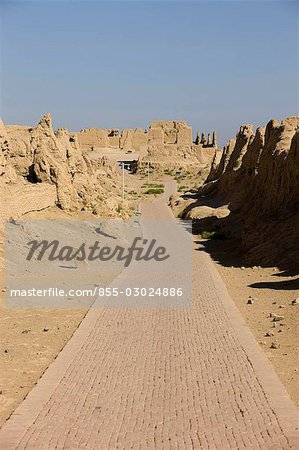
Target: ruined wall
{"x":156,"y":137}
{"x":93,"y":137}
{"x":173,"y":132}
{"x":139,"y":139}
{"x":170,"y":146}
{"x":210,"y":141}
{"x":170,"y":142}
{"x":113,"y":138}
{"x":166,"y":143}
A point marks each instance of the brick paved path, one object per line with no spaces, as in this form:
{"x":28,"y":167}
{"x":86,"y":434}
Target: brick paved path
{"x":172,"y":378}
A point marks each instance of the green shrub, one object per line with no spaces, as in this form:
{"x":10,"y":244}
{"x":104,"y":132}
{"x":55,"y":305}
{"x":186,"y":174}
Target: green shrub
{"x":168,"y":172}
{"x":179,"y":177}
{"x":181,"y":214}
{"x":154,"y":191}
{"x":212,"y":235}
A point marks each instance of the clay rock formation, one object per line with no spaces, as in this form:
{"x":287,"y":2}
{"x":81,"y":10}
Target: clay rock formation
{"x":202,"y":212}
{"x":20,"y":153}
{"x":53,"y":168}
{"x":58,"y":159}
{"x":218,"y":166}
{"x":223,"y":177}
{"x":18,"y":197}
{"x":244,"y":138}
{"x":4,"y":148}
{"x":52,"y":154}
{"x":3,"y":139}
{"x":216,"y":163}
{"x":257,"y":179}
{"x":271,"y":213}
{"x":7,"y":171}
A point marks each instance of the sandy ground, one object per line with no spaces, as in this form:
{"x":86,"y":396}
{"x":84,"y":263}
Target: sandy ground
{"x":30,"y":339}
{"x":272,"y":292}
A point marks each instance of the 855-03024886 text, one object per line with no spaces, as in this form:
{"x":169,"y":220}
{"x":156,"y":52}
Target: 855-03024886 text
{"x":143,"y":292}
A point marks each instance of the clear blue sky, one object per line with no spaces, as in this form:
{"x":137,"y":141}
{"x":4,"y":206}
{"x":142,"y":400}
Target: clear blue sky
{"x":216,"y":64}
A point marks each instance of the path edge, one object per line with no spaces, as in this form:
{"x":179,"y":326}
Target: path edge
{"x":277,"y":396}
{"x":27,"y":411}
